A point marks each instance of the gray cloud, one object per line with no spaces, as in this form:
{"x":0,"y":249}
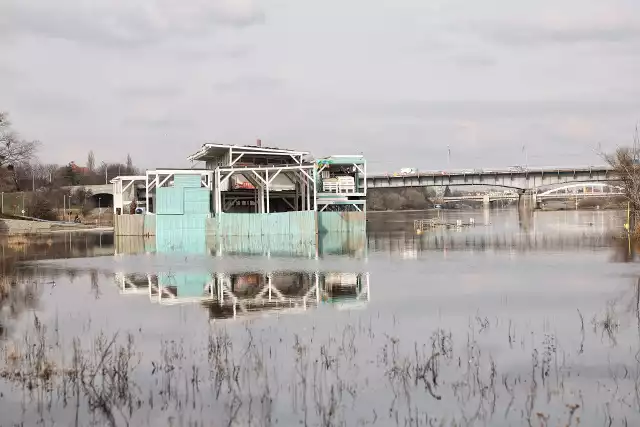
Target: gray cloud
{"x":126,"y":23}
{"x":248,"y":83}
{"x":531,"y":35}
{"x":503,"y":108}
{"x":157,"y":78}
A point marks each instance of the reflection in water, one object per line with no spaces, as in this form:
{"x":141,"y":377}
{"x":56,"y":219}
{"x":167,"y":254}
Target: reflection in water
{"x":544,"y":338}
{"x":231,"y":295}
{"x":269,"y":246}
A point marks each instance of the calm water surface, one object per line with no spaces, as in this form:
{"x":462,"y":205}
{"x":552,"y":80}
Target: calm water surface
{"x":517,"y":321}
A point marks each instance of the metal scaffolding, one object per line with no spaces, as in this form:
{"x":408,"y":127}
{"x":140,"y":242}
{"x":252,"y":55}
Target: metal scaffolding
{"x":302,"y":196}
{"x":123,"y":185}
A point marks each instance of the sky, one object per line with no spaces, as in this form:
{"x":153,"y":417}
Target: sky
{"x":495,"y":83}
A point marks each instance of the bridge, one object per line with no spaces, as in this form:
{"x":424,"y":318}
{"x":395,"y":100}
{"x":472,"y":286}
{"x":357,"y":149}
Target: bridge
{"x":570,"y":191}
{"x":522,"y":180}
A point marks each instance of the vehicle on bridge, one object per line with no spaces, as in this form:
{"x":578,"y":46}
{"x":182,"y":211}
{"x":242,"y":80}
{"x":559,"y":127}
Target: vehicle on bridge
{"x":516,"y":169}
{"x":408,"y":171}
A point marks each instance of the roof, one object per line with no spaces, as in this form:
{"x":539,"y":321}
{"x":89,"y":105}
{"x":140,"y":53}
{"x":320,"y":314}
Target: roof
{"x":342,"y":159}
{"x":212,"y":150}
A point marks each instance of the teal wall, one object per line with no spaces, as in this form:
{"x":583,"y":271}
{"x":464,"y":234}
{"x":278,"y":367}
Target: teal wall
{"x":300,"y":223}
{"x":188,"y":285}
{"x":273,"y":245}
{"x":342,"y":222}
{"x":181,"y":215}
{"x":351,"y":244}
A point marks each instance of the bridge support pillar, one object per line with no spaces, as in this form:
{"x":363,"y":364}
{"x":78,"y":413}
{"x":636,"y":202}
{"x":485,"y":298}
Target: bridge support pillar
{"x":527,"y":202}
{"x":486,"y":202}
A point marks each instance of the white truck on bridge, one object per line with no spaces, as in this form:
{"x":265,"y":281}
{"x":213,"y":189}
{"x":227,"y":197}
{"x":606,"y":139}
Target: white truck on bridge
{"x":408,"y":171}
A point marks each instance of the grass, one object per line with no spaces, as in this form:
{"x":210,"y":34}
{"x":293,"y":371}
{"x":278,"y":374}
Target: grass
{"x":311,"y":380}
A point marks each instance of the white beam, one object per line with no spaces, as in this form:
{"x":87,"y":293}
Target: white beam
{"x":261,"y":178}
{"x":165,"y":180}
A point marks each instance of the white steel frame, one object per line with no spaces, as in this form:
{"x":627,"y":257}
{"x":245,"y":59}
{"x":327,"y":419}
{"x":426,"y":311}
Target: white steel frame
{"x":269,"y":299}
{"x":240,"y":151}
{"x":122,"y":184}
{"x":302,"y":176}
{"x":341,"y":196}
{"x":161,"y":178}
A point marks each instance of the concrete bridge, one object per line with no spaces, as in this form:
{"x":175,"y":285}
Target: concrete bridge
{"x":101,"y":194}
{"x":570,"y":191}
{"x":524,"y":180}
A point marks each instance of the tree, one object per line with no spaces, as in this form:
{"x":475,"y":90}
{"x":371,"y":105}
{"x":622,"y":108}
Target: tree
{"x":13,"y":149}
{"x":130,"y":169}
{"x":627,"y":170}
{"x":71,"y":176}
{"x":91,"y":161}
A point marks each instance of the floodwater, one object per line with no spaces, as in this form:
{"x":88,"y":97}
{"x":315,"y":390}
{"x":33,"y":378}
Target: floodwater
{"x":519,"y":320}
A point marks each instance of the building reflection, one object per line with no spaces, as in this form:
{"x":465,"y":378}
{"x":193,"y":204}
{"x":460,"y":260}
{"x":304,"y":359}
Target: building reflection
{"x":242,"y":294}
{"x":349,"y":244}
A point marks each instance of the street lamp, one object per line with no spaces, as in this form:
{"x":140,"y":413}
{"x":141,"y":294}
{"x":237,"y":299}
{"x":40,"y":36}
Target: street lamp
{"x":99,"y":213}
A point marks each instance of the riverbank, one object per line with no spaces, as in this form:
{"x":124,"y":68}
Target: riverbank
{"x":30,"y":227}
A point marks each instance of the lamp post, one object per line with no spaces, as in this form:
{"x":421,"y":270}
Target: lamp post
{"x":99,"y":213}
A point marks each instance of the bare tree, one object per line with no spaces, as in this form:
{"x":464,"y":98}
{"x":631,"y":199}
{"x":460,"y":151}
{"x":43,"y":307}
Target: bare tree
{"x":13,"y":149}
{"x":91,"y":161}
{"x":627,"y":169}
{"x":129,"y":170}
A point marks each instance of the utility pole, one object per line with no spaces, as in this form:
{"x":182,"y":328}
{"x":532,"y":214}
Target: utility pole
{"x":448,"y":157}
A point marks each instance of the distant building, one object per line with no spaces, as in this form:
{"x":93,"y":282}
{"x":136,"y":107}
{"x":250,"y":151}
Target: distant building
{"x":78,"y":169}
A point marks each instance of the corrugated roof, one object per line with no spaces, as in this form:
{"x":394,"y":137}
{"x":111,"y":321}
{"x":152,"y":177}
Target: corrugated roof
{"x":267,"y":150}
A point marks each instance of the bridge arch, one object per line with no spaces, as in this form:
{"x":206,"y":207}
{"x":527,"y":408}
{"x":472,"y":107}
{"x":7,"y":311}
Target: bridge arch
{"x":103,"y":200}
{"x":602,"y":188}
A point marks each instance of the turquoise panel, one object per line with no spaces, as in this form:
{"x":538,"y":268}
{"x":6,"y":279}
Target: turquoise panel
{"x":196,"y":201}
{"x":186,"y":284}
{"x":181,"y":241}
{"x":187,"y":181}
{"x":341,"y":222}
{"x":336,"y":243}
{"x":273,"y":245}
{"x":281,"y":223}
{"x":169,"y":201}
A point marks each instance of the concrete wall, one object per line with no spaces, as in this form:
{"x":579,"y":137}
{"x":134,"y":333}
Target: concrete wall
{"x":134,"y":225}
{"x":16,"y":226}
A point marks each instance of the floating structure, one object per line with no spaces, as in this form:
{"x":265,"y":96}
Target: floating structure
{"x":245,"y":191}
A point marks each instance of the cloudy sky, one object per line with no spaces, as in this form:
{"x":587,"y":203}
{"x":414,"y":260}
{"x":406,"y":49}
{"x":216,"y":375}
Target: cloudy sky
{"x":396,"y":80}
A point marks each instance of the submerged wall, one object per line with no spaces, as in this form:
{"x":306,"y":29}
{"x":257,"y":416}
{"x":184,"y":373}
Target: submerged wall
{"x":342,"y":222}
{"x":301,"y":223}
{"x":134,"y":225}
{"x":183,"y":212}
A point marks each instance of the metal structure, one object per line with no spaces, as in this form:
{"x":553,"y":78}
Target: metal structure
{"x":340,"y":183}
{"x":256,"y":179}
{"x":525,"y":179}
{"x":233,"y":295}
{"x":125,"y":191}
{"x":159,"y":178}
{"x":596,"y":189}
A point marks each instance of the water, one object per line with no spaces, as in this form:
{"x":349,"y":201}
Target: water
{"x":517,"y":321}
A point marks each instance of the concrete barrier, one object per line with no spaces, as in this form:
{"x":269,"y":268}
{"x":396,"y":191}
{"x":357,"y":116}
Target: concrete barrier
{"x":19,"y":226}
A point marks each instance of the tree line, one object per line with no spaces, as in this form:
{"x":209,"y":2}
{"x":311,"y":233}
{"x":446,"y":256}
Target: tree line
{"x":20,"y":169}
{"x":22,"y":172}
